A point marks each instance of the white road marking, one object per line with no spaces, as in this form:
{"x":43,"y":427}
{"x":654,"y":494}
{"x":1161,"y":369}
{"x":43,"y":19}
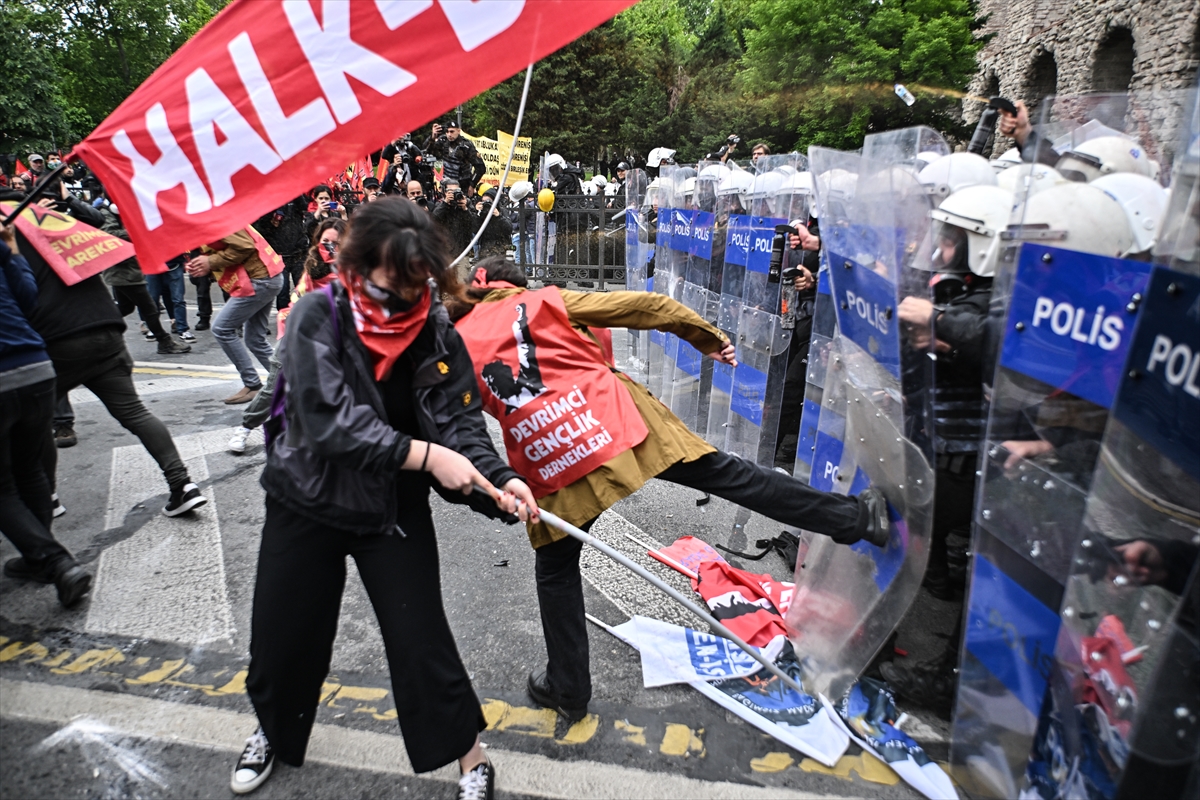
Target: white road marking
{"x":201,"y":726}
{"x":159,"y":385}
{"x":167,"y":581}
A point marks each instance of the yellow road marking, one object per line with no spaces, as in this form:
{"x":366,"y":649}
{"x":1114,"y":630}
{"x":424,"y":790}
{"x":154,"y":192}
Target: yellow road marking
{"x":771,"y":762}
{"x":633,"y":734}
{"x":680,"y":740}
{"x":868,"y":767}
{"x":185,"y":373}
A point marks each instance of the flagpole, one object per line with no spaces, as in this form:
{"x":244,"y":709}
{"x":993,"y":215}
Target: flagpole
{"x":38,"y":189}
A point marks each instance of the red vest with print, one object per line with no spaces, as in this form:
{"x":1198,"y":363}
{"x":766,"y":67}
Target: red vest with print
{"x":563,"y":412}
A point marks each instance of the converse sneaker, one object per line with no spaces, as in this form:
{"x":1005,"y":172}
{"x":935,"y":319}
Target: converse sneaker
{"x":478,"y":783}
{"x":59,"y":509}
{"x":184,"y":498}
{"x":254,"y":766}
{"x":188,"y":336}
{"x":237,"y":442}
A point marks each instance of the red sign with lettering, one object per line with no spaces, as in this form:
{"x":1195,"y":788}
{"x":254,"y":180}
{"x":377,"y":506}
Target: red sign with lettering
{"x":74,"y":251}
{"x":273,"y":96}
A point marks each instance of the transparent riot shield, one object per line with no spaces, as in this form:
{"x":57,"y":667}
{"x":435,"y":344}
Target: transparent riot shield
{"x":733,"y":219}
{"x":639,"y":248}
{"x":682,"y":367}
{"x":849,"y":599}
{"x":693,"y":379}
{"x":762,"y":342}
{"x":1063,"y":349}
{"x":658,"y":196}
{"x":1121,"y":715}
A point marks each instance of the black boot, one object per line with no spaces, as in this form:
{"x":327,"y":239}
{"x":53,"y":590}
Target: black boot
{"x":931,"y":684}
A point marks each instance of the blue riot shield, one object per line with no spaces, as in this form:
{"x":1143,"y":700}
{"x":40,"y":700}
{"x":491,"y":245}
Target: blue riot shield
{"x":848,"y":599}
{"x":1067,"y":332}
{"x":693,"y":377}
{"x":659,"y":280}
{"x":731,"y":217}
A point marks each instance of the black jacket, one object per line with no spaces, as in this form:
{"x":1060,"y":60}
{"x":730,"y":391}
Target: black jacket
{"x":459,"y":224}
{"x":460,"y":160}
{"x":338,"y":458}
{"x":498,"y":235}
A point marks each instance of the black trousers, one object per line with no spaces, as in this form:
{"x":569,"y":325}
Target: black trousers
{"x":25,"y":507}
{"x":99,"y":360}
{"x":297,"y":596}
{"x":770,"y":493}
{"x":138,"y":296}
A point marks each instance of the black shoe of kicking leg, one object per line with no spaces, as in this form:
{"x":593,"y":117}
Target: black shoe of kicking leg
{"x":254,"y":765}
{"x":540,"y":692}
{"x":72,"y":582}
{"x":24,"y":570}
{"x":931,"y":684}
{"x":878,"y":525}
{"x":478,"y":784}
{"x":184,"y":498}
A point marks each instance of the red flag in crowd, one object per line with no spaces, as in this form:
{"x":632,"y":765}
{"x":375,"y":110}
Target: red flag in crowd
{"x":19,"y":168}
{"x":72,"y":249}
{"x":381,"y":170}
{"x":272,"y":96}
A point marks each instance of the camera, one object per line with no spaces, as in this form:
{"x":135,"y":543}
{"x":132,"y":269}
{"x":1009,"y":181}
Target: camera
{"x":457,"y":196}
{"x":734,"y":139}
{"x":422,"y":202}
{"x":778,"y":245}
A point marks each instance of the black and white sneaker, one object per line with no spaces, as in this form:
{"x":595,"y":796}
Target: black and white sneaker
{"x":254,"y":766}
{"x":183,"y":499}
{"x":59,"y":509}
{"x":478,"y":784}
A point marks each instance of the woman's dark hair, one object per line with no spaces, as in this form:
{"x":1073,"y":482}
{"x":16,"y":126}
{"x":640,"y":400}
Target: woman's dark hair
{"x":313,"y":259}
{"x":400,"y":237}
{"x":496,"y":269}
{"x":321,"y":188}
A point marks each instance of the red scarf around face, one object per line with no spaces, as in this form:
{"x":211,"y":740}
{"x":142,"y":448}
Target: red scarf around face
{"x":386,"y":335}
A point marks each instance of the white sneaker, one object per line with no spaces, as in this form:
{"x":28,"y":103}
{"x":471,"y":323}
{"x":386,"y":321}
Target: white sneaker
{"x":237,"y":442}
{"x":188,"y":336}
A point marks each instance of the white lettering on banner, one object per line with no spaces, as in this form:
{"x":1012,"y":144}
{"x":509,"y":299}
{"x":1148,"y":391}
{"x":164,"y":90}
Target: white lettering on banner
{"x":868,"y":311}
{"x":703,"y":234}
{"x":397,"y":12}
{"x":208,"y":109}
{"x":1182,"y":365}
{"x":171,"y":169}
{"x":289,"y":135}
{"x":1065,"y":319}
{"x":476,"y":21}
{"x":547,"y":414}
{"x":740,"y":239}
{"x":333,"y":55}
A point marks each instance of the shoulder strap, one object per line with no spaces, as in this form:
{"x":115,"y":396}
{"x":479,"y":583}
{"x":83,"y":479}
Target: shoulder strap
{"x":327,"y":290}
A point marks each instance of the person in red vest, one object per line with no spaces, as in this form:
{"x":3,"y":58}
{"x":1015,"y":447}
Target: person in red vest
{"x":584,"y":435}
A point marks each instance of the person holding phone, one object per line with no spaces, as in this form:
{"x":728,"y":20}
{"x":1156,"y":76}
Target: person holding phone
{"x":322,"y":207}
{"x":382,"y":406}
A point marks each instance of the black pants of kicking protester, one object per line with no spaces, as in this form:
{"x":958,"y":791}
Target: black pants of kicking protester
{"x":297,"y":597}
{"x":138,"y":296}
{"x":770,"y":493}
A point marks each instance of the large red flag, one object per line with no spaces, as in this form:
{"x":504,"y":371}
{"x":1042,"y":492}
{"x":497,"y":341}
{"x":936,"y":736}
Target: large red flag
{"x":273,"y":96}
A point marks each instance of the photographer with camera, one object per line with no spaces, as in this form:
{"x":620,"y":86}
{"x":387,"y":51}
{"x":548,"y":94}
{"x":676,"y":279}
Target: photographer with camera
{"x":800,"y":264}
{"x":461,"y":162}
{"x":406,"y":164}
{"x":726,"y":150}
{"x":416,"y":194}
{"x":455,"y":217}
{"x":498,"y":235}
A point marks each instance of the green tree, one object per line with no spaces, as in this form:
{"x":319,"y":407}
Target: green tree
{"x":31,"y":108}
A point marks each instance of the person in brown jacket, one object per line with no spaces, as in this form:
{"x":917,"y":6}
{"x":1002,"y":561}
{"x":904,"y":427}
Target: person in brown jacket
{"x":235,"y":263}
{"x":563,"y":392}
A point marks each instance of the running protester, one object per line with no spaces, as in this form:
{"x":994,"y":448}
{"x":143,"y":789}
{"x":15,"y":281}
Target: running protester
{"x":379,"y":392}
{"x":585,"y":435}
{"x":318,"y":272}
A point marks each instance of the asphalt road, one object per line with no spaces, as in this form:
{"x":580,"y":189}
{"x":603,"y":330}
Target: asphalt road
{"x":138,"y":691}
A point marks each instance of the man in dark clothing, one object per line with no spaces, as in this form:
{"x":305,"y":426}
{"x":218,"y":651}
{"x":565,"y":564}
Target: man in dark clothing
{"x":802,"y":255}
{"x":283,"y":229}
{"x":84,"y":336}
{"x":498,"y":235}
{"x":455,"y":217}
{"x":26,"y":404}
{"x":460,"y":160}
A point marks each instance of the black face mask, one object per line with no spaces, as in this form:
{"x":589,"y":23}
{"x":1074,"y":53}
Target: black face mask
{"x":389,"y":300}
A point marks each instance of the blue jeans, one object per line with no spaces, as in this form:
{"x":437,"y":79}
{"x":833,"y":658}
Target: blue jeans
{"x":169,"y":286}
{"x":252,"y":315}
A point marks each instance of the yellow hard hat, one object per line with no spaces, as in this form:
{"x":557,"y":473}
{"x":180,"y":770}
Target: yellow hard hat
{"x":483,"y":187}
{"x":545,"y":199}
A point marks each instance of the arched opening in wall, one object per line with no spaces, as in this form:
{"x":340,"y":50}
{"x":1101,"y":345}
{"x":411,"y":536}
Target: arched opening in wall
{"x":1040,"y":83}
{"x":1112,"y":69}
{"x":991,"y":87}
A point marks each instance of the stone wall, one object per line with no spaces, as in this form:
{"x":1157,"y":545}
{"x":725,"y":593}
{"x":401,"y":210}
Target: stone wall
{"x":1148,"y":48}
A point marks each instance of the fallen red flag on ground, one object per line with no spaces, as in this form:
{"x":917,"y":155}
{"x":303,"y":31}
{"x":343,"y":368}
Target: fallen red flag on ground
{"x":273,"y":96}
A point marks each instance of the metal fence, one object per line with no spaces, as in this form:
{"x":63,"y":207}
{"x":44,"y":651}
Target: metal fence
{"x":582,"y":241}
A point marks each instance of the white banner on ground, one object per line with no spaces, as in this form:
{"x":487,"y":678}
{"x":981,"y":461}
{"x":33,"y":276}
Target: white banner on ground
{"x":671,"y":654}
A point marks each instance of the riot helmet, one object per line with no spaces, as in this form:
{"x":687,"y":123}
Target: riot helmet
{"x":732,"y":191}
{"x":1105,"y":155}
{"x":1029,"y":179}
{"x":795,"y":198}
{"x":967,"y":236}
{"x":1078,"y":216}
{"x":956,"y":171}
{"x":555,"y":164}
{"x":835,"y":192}
{"x":519,"y":191}
{"x":659,"y":156}
{"x":1009,"y":158}
{"x":1145,"y":204}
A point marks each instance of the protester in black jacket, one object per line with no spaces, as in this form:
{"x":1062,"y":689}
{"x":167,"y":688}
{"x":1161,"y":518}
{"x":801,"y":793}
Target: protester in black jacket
{"x":461,"y":162}
{"x":498,"y":235}
{"x":381,"y":404}
{"x":456,"y":217}
{"x":84,"y":336}
{"x":284,"y":230}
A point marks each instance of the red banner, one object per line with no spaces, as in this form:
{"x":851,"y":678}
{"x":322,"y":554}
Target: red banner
{"x":73,"y":250}
{"x":273,"y":96}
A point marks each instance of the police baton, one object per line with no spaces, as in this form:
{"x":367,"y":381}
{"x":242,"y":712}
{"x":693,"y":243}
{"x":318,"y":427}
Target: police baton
{"x":637,"y":569}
